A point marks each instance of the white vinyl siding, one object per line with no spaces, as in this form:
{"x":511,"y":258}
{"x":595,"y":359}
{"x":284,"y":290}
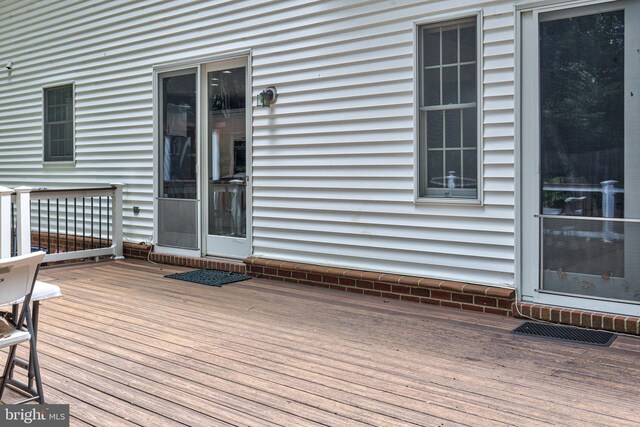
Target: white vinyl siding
{"x":333,"y":160}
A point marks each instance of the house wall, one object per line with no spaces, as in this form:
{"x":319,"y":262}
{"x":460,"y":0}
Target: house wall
{"x":333,"y":178}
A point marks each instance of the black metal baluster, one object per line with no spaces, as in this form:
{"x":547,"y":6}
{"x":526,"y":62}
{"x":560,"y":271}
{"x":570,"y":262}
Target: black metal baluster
{"x":29,"y":249}
{"x":49,"y":225}
{"x":75,"y":224}
{"x":66,"y":224}
{"x":91,"y":222}
{"x":108,"y":237}
{"x":57,"y":225}
{"x":14,"y":235}
{"x":84,"y":220}
{"x":100,"y":221}
{"x":14,"y":230}
{"x":39,"y":226}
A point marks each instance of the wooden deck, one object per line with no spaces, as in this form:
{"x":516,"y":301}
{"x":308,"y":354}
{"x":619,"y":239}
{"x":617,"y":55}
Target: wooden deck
{"x":125,"y":346}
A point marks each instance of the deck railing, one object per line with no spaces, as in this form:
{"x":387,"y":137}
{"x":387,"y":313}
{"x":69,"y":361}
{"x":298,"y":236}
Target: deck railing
{"x":67,"y":224}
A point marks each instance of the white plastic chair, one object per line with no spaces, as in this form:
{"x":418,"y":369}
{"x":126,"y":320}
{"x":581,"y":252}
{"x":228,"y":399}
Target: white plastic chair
{"x":17,"y":278}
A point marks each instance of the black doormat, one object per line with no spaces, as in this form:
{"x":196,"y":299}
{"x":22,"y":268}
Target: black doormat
{"x":565,"y":333}
{"x":209,"y":277}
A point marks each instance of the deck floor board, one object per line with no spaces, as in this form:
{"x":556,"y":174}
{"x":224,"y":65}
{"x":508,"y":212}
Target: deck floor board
{"x":126,"y":346}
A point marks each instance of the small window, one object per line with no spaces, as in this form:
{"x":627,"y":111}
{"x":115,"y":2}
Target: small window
{"x":448,"y":103}
{"x":58,"y":124}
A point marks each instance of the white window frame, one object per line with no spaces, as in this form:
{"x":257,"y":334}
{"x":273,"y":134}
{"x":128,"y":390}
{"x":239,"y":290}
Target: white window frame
{"x":44,"y":89}
{"x":417,"y":87}
{"x":541,"y":6}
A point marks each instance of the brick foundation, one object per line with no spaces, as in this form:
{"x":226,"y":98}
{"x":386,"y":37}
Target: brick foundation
{"x":443,"y":293}
{"x":136,"y":250}
{"x":210,"y":264}
{"x":55,"y":243}
{"x":586,"y":319}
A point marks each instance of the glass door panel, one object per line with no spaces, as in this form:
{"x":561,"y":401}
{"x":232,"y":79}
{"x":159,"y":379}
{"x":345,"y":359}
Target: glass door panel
{"x":178,"y":172}
{"x":587,"y":157}
{"x":226,"y":219}
{"x":177,"y":204}
{"x":227,"y":157}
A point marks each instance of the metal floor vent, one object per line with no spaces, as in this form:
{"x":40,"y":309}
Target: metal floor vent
{"x":565,"y":333}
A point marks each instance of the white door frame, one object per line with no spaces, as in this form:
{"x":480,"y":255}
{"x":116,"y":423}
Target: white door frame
{"x":157,"y":71}
{"x":528,"y":147}
{"x":195,"y":62}
{"x":221,"y":246}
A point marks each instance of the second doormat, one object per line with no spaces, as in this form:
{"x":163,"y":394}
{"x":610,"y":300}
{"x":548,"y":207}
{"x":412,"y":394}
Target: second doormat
{"x":209,"y":277}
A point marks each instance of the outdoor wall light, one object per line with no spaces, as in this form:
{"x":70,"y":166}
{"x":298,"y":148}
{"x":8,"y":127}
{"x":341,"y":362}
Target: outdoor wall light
{"x":267,"y":97}
{"x":9,"y":65}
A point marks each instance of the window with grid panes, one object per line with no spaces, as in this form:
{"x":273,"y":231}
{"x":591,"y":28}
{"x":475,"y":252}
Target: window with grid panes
{"x":58,"y":123}
{"x":448,"y":84}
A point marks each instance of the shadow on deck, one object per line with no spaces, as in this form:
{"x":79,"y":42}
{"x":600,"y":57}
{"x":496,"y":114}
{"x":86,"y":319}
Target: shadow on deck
{"x":125,"y":346}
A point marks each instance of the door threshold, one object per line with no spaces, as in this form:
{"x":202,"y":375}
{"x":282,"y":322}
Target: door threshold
{"x":221,"y":258}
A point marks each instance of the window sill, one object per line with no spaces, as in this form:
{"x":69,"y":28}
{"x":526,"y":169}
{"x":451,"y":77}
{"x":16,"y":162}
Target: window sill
{"x":57,"y":164}
{"x":447,"y":201}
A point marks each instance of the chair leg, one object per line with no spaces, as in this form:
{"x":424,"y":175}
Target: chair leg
{"x":34,"y":319}
{"x":14,"y":315}
{"x":34,"y":364}
{"x":7,"y":369}
{"x":36,"y":373}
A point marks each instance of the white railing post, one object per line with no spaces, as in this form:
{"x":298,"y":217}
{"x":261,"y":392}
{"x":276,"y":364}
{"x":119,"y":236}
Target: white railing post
{"x":23,"y":220}
{"x":608,"y":207}
{"x":118,"y":236}
{"x":608,"y":198}
{"x":5,"y":222}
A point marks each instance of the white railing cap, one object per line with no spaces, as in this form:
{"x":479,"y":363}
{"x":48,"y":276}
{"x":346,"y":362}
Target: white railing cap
{"x":5,"y":190}
{"x":23,"y":189}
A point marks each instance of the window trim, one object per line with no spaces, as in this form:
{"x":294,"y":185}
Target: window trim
{"x":417,"y":86}
{"x":44,"y":88}
{"x":540,"y":6}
